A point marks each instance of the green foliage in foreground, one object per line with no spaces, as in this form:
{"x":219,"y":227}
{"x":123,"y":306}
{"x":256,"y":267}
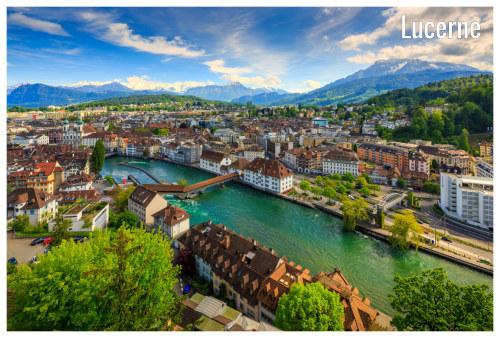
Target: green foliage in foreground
{"x":120,"y":280}
{"x":430,"y":301}
{"x":310,"y":307}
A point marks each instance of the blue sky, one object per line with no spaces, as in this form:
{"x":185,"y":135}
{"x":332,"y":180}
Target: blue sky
{"x":297,"y":49}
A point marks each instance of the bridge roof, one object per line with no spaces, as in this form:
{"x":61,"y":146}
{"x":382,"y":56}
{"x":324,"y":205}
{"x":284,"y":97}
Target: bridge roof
{"x":176,"y":188}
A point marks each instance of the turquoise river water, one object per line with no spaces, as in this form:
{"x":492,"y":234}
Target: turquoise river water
{"x":309,"y":237}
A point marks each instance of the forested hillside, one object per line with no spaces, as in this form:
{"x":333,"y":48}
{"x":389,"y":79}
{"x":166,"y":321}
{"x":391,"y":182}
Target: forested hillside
{"x":459,"y":107}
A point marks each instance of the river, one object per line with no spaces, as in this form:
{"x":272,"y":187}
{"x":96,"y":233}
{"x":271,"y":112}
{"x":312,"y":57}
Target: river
{"x":307,"y":236}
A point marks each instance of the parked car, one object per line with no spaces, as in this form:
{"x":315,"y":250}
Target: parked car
{"x":12,"y":261}
{"x":446,"y":239}
{"x":36,"y":241}
{"x":78,"y":239}
{"x":34,"y":260}
{"x":48,"y":240}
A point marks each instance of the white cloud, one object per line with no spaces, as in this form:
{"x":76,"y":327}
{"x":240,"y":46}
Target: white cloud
{"x":143,"y":83}
{"x":307,"y":86}
{"x":328,"y":20}
{"x":90,"y":83}
{"x":417,"y":14}
{"x":268,"y":81}
{"x":121,"y":34}
{"x":237,"y":39}
{"x":20,"y":19}
{"x":474,"y":52}
{"x":218,"y":66}
{"x":72,"y":51}
{"x":234,"y":74}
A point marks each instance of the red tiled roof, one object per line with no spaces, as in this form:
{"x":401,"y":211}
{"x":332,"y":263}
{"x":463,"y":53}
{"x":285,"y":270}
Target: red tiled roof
{"x":172,"y":215}
{"x":272,"y":168}
{"x":46,"y":167}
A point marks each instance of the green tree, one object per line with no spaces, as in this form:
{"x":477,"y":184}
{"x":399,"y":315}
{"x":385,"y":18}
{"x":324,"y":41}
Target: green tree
{"x":401,"y":183}
{"x":21,"y":223}
{"x":310,"y":307}
{"x":404,"y":229}
{"x":125,"y":218}
{"x":463,"y":140}
{"x":121,"y":197}
{"x":329,"y":192}
{"x":341,"y":189}
{"x":97,"y":158}
{"x":361,"y":182}
{"x":114,"y":281}
{"x":430,"y":301}
{"x":60,"y":229}
{"x":380,"y":217}
{"x":305,"y":185}
{"x":110,"y":179}
{"x":161,"y":131}
{"x":348,"y":177}
{"x":431,"y":187}
{"x":353,"y":212}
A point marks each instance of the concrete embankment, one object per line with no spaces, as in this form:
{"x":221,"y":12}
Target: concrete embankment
{"x":379,"y":234}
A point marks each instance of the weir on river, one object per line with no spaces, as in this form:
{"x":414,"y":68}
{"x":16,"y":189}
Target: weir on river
{"x":309,"y":237}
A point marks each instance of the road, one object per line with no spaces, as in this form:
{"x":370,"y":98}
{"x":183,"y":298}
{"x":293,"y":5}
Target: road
{"x":21,"y":249}
{"x":455,"y":227}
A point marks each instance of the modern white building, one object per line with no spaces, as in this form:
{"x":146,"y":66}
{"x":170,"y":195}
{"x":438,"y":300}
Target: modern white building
{"x":484,"y":169}
{"x":268,"y":175}
{"x":340,"y":161}
{"x":468,"y":198}
{"x":86,"y":217}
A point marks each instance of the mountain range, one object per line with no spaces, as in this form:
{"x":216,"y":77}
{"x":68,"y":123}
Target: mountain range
{"x":229,"y":92}
{"x":382,"y":76}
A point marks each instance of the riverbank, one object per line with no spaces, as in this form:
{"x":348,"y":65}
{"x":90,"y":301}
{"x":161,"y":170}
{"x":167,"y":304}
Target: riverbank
{"x":384,"y":235}
{"x":364,"y":227}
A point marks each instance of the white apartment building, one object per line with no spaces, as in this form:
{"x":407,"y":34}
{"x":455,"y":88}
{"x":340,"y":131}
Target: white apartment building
{"x":340,"y":161}
{"x":468,"y":198}
{"x":268,"y":175}
{"x":213,"y":161}
{"x":253,"y":153}
{"x":172,"y":221}
{"x":484,"y":169}
{"x":30,"y":140}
